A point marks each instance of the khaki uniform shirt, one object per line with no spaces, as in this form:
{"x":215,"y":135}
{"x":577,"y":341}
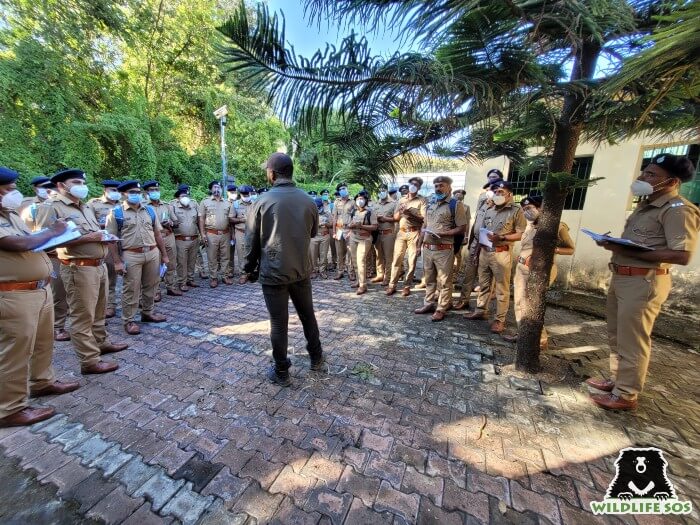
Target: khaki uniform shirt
{"x":101,"y":207}
{"x":418,"y":203}
{"x":505,"y":220}
{"x":184,"y":218}
{"x":668,"y":223}
{"x":163,"y":213}
{"x":83,"y":217}
{"x":325,"y":221}
{"x":564,"y":240}
{"x":20,"y":266}
{"x":216,"y":213}
{"x":439,"y":218}
{"x":137,"y":230}
{"x":360,"y":217}
{"x":240,"y":210}
{"x":342,"y":211}
{"x":385,"y":209}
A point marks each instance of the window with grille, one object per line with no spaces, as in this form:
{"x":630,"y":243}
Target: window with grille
{"x":529,"y":184}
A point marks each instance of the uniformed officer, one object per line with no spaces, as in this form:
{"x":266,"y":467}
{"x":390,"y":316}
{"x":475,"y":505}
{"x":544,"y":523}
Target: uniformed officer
{"x":26,"y":313}
{"x":83,"y":271}
{"x":342,"y":209}
{"x":506,"y":224}
{"x":239,"y":213}
{"x":328,"y":204}
{"x":215,"y":214}
{"x":232,"y":195}
{"x":361,"y":225}
{"x":403,"y":190}
{"x":565,"y":246}
{"x":641,"y":282}
{"x":394,"y":193}
{"x":183,"y":213}
{"x":492,"y":177}
{"x":162,"y":209}
{"x":40,"y":186}
{"x":139,"y":230}
{"x":410,"y":213}
{"x":457,"y":268}
{"x":443,"y":220}
{"x":321,"y":242}
{"x":384,"y":209}
{"x":101,"y":206}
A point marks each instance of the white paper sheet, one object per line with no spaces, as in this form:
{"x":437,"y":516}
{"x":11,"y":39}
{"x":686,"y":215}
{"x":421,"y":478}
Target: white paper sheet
{"x":484,"y":237}
{"x":599,"y":237}
{"x":70,"y":234}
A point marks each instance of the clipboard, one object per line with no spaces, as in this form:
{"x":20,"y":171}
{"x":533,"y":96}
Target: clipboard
{"x":599,"y":237}
{"x":70,"y":234}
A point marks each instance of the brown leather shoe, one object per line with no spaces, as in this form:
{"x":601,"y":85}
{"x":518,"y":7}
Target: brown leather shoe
{"x":175,"y":292}
{"x":352,"y":276}
{"x":438,"y":316}
{"x":153,"y":318}
{"x":601,"y":384}
{"x":377,"y":279}
{"x":420,"y":286}
{"x":497,"y":327}
{"x":475,"y":315}
{"x":243,"y":279}
{"x":184,"y":288}
{"x":55,"y":388}
{"x":425,"y":309}
{"x":390,"y":291}
{"x":613,"y":402}
{"x":61,"y":335}
{"x":157,"y":298}
{"x":110,"y":312}
{"x":406,"y":292}
{"x":101,"y":367}
{"x":213,"y":283}
{"x":460,"y":305}
{"x":27,"y":416}
{"x":111,"y":348}
{"x":229,"y":281}
{"x":192,"y":284}
{"x":510,"y":338}
{"x":132,"y":328}
{"x":361,"y":290}
{"x":354,"y":285}
{"x":338,"y":276}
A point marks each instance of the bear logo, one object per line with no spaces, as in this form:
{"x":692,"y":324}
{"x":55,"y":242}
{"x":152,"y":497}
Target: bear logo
{"x":640,"y":473}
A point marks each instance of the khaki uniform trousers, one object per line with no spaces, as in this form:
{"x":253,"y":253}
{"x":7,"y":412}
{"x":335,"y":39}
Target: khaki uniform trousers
{"x":632,"y":306}
{"x":342,"y":248}
{"x":406,"y":243}
{"x":318,"y":248}
{"x":86,"y":288}
{"x":334,"y":255}
{"x":26,"y":346}
{"x":494,"y":271}
{"x":218,"y":254}
{"x":522,"y":274}
{"x":112,"y":280}
{"x":186,"y":260}
{"x":140,"y":282}
{"x":240,"y":250}
{"x":60,"y":303}
{"x":437,"y":270}
{"x":201,"y":264}
{"x":470,"y":273}
{"x":358,"y":252}
{"x":171,"y":250}
{"x":384,"y":250}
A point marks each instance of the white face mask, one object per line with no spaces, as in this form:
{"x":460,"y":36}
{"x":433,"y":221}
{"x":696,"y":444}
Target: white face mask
{"x":185,"y":200}
{"x":641,"y":188}
{"x":42,"y":193}
{"x":531,"y":215}
{"x":382,"y":195}
{"x":11,"y":200}
{"x":413,"y":188}
{"x":360,"y":203}
{"x":499,"y":200}
{"x":489,"y":195}
{"x":246,"y":199}
{"x":114,"y":196}
{"x":79,"y":191}
{"x":233,"y":196}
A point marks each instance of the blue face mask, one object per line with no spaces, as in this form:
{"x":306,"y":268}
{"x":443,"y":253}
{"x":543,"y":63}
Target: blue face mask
{"x":324,"y":197}
{"x":154,"y":195}
{"x":382,"y":195}
{"x":440,"y":196}
{"x":344,"y":192}
{"x":133,"y":198}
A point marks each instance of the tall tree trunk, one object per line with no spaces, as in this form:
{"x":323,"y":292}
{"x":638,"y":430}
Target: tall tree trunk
{"x":567,"y":133}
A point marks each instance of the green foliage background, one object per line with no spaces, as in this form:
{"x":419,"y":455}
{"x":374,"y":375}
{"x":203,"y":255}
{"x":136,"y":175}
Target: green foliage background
{"x":125,"y":89}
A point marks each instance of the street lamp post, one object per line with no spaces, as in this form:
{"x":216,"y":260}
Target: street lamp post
{"x":221,"y":115}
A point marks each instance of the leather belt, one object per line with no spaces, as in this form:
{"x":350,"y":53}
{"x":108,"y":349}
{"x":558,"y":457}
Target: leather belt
{"x":409,"y":229}
{"x":495,"y":249}
{"x":633,"y":270}
{"x":438,"y":247}
{"x":216,"y":232}
{"x":185,"y":237}
{"x":326,"y":232}
{"x":142,"y":249}
{"x":82,"y":262}
{"x":14,"y":286}
{"x":386,"y":232}
{"x":165,"y":233}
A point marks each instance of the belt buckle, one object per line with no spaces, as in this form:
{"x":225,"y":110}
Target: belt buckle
{"x":40,"y":285}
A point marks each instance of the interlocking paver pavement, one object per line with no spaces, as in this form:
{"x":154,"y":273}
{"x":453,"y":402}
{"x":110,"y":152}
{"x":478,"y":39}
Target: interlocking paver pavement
{"x":415,"y":422}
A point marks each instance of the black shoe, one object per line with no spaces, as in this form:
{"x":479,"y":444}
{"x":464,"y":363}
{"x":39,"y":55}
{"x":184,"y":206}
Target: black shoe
{"x":318,"y":366}
{"x":281,"y":380}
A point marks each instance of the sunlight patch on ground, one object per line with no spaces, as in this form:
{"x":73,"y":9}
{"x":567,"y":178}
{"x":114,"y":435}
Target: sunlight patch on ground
{"x":259,"y":327}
